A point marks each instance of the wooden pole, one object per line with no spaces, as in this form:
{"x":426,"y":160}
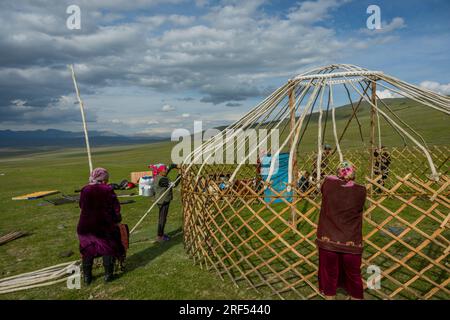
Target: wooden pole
{"x":372,"y":130}
{"x":80,"y":102}
{"x":291,"y":145}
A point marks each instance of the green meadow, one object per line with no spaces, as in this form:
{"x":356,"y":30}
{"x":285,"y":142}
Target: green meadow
{"x":154,"y":270}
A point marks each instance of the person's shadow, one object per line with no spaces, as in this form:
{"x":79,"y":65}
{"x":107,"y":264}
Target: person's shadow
{"x":145,"y":256}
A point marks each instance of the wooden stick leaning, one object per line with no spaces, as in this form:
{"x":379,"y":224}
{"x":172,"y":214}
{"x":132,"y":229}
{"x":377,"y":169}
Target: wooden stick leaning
{"x":80,"y":102}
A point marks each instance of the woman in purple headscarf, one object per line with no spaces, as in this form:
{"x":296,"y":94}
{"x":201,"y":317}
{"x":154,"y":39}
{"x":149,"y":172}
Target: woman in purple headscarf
{"x":339,"y":233}
{"x":98,"y":229}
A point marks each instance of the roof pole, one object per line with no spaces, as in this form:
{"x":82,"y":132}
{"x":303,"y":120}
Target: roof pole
{"x":292,"y":145}
{"x":373,"y":114}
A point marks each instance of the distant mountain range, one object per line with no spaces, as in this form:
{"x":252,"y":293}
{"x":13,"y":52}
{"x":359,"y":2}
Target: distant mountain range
{"x":60,"y":138}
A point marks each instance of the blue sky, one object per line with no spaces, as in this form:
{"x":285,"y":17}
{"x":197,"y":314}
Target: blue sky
{"x":151,"y":66}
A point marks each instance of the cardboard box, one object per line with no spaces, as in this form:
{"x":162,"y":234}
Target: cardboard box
{"x":135,"y":176}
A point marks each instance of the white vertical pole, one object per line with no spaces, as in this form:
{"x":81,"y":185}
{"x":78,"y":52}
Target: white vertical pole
{"x":86,"y":137}
{"x":333,"y":118}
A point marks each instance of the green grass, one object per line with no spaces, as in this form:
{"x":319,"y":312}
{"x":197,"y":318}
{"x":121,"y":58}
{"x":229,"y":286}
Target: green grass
{"x":155,"y":271}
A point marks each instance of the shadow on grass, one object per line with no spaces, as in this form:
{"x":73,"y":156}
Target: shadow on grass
{"x":144,"y":257}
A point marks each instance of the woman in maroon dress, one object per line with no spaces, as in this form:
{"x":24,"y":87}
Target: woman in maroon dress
{"x":339,"y":234}
{"x":98,"y":229}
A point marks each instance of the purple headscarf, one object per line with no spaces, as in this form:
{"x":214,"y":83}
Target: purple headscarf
{"x":98,"y":175}
{"x":346,"y":171}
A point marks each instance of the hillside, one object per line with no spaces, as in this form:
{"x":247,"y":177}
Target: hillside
{"x":60,"y":138}
{"x":431,"y":124}
{"x":14,"y":143}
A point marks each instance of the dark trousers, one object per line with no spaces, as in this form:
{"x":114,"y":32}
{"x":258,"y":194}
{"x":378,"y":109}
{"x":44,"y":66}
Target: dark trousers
{"x":89,"y":261}
{"x":380,"y":181}
{"x":340,"y":270}
{"x":163,"y":212}
{"x":108,"y":264}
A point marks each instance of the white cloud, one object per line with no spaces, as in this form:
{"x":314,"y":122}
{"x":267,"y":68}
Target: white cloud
{"x":122,"y":5}
{"x":313,"y":11}
{"x":233,"y":39}
{"x":18,"y":103}
{"x":396,"y":23}
{"x":227,"y":53}
{"x":436,"y":87}
{"x":159,"y":20}
{"x":167,"y":108}
{"x":132,"y":122}
{"x":386,"y":27}
{"x":387,"y":94}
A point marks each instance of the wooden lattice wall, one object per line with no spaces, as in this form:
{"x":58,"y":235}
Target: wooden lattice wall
{"x":271,"y":246}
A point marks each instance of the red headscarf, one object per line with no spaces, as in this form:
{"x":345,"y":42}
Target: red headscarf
{"x":157,"y":168}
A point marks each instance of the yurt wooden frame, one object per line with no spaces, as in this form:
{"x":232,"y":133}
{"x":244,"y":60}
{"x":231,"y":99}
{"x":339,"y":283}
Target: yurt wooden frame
{"x":269,"y":246}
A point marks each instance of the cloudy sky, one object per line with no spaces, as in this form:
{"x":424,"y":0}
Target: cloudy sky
{"x":150,"y":66}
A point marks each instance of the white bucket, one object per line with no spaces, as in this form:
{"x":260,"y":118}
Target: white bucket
{"x":145,"y":186}
{"x":148,"y":191}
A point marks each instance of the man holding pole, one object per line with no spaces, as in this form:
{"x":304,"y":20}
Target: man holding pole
{"x":163,"y":195}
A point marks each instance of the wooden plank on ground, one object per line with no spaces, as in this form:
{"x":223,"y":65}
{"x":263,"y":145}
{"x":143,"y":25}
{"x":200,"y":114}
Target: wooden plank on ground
{"x":36,"y":195}
{"x":11,"y":236}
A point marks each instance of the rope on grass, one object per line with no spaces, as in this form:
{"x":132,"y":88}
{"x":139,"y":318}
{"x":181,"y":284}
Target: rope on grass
{"x":39,"y":278}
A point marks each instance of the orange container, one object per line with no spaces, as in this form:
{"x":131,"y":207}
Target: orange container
{"x":135,"y":176}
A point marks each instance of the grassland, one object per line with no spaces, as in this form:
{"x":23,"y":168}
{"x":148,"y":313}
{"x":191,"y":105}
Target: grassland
{"x":155,"y":271}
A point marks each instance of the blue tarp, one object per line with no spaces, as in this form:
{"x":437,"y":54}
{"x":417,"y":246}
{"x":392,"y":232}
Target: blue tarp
{"x":279,"y":178}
